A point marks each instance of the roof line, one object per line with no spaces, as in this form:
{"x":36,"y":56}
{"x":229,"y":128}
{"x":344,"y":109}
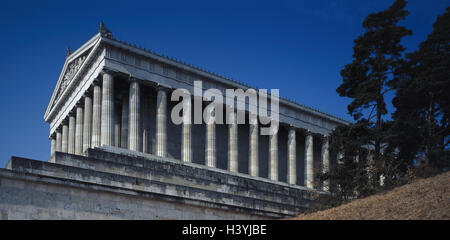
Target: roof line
{"x":221,"y":76}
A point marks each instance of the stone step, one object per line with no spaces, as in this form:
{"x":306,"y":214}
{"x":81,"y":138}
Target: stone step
{"x":196,"y":171}
{"x":160,"y":189}
{"x":166,"y":175}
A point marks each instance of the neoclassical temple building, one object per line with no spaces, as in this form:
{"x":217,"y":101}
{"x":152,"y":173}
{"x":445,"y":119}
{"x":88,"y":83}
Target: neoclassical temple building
{"x":111,"y":133}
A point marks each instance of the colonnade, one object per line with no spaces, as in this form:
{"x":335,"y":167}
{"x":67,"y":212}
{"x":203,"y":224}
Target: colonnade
{"x":94,"y":120}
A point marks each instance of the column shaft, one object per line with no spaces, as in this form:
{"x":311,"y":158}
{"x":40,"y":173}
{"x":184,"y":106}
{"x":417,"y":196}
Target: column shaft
{"x":233,"y":143}
{"x":79,"y":131}
{"x":186,"y":153}
{"x":161,"y":123}
{"x":87,"y":122}
{"x":210,"y":148}
{"x":253,"y":165}
{"x":134,"y":137}
{"x":186,"y":148}
{"x":325,"y":163}
{"x":273,"y":157}
{"x":309,"y":161}
{"x":52,"y":145}
{"x":71,"y":144}
{"x":107,"y":122}
{"x":292,"y":157}
{"x":58,"y":141}
{"x":96,"y":115}
{"x":65,"y":138}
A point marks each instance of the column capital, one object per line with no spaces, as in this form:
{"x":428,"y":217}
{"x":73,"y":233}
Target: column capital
{"x":292,"y":127}
{"x":71,"y":113}
{"x":80,"y":103}
{"x":107,"y":71}
{"x":97,"y":81}
{"x":308,"y":132}
{"x":65,"y":121}
{"x":88,"y":92}
{"x":133,"y":79}
{"x":164,"y":88}
{"x":52,"y":136}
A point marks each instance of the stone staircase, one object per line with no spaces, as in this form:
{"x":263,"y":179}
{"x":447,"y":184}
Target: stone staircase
{"x":165,"y":179}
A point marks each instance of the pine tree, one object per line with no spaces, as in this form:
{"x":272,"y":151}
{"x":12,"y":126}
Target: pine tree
{"x":377,"y":56}
{"x":423,"y":95}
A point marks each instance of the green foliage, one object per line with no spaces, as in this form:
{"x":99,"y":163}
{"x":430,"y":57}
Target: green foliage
{"x":376,"y":55}
{"x":370,"y":149}
{"x":422,"y":98}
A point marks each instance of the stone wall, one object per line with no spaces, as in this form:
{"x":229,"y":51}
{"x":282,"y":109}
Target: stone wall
{"x":28,"y":196}
{"x":117,"y":183}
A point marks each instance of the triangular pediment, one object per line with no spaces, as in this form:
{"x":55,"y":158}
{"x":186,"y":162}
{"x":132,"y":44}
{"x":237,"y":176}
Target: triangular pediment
{"x":72,"y":69}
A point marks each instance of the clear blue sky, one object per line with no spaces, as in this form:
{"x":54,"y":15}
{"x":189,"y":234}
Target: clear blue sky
{"x":296,"y":46}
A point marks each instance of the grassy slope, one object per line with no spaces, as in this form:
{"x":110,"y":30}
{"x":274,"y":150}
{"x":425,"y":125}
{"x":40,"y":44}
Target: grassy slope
{"x":422,"y":199}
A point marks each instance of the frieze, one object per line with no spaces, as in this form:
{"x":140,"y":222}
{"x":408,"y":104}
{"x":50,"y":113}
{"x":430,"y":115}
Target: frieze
{"x":187,"y":77}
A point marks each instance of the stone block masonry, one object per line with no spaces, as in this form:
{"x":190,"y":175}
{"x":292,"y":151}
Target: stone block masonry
{"x":113,"y":183}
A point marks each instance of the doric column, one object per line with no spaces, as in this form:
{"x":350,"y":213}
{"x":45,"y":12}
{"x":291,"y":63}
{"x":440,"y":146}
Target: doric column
{"x":124,"y":124}
{"x":52,"y":144}
{"x":79,"y":130}
{"x":134,"y":137}
{"x":273,"y":156}
{"x":309,"y":160}
{"x":58,"y":140}
{"x":253,"y":164}
{"x":325,"y":162}
{"x":72,"y":126}
{"x":161,"y":123}
{"x":292,"y":157}
{"x":210,"y":149}
{"x":232,"y":142}
{"x":87,"y":122}
{"x":186,"y":146}
{"x":65,"y":137}
{"x":107,"y":122}
{"x":96,"y":114}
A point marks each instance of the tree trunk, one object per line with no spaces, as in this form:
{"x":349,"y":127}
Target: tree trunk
{"x":429,"y":132}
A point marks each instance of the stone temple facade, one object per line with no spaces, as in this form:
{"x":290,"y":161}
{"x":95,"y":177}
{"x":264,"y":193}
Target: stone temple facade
{"x":115,"y":154}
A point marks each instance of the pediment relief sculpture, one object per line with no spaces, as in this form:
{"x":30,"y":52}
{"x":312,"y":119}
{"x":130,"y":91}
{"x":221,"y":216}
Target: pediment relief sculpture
{"x":71,"y":70}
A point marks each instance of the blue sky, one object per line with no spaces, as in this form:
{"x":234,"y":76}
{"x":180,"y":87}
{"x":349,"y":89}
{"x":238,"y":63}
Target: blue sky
{"x":298,"y":47}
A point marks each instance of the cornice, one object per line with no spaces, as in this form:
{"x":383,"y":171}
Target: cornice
{"x":213,"y":76}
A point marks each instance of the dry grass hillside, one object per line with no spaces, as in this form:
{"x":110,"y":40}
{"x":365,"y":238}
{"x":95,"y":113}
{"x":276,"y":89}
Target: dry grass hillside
{"x":422,"y":199}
